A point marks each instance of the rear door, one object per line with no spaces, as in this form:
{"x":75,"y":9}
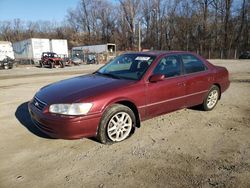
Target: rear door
{"x":197,"y":77}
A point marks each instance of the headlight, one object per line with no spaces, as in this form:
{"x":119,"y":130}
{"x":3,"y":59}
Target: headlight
{"x":71,"y":109}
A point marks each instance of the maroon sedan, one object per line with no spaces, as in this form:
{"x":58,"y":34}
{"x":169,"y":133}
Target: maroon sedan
{"x":110,"y":103}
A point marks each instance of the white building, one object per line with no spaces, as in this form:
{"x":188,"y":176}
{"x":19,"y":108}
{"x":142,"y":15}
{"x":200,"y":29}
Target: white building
{"x":107,"y":51}
{"x":6,"y":49}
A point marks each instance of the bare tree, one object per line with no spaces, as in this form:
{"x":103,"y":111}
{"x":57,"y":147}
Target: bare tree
{"x":213,"y":28}
{"x":130,"y":10}
{"x":226,"y":25}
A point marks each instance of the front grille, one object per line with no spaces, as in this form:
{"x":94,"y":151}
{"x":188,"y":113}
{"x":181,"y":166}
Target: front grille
{"x":39,"y":104}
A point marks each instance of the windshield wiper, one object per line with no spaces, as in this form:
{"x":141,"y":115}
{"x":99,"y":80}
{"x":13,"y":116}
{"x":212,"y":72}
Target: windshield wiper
{"x":108,"y":75}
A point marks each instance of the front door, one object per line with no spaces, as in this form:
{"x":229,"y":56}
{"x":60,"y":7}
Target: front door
{"x":167,"y":95}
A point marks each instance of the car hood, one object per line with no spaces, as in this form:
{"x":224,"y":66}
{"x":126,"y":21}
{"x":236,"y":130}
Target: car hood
{"x":79,"y":88}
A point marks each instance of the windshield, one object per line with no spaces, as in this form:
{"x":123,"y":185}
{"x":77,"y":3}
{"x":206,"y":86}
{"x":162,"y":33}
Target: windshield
{"x":53,"y":55}
{"x":127,"y":66}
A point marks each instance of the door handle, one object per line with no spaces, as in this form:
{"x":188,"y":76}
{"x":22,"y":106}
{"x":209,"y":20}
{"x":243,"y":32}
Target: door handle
{"x":210,"y":79}
{"x":181,"y":84}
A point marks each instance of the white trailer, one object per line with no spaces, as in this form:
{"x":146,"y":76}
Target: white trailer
{"x":6,"y":50}
{"x":32,"y":49}
{"x":59,"y":46}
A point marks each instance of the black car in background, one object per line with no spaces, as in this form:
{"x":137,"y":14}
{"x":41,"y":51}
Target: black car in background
{"x":7,"y":63}
{"x":245,"y":55}
{"x":92,"y":59}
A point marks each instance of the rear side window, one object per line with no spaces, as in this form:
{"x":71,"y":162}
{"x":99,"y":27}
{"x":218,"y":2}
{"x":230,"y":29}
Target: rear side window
{"x":192,"y":64}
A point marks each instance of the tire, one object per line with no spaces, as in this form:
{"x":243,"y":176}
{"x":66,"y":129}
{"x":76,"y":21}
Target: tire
{"x":62,"y":64}
{"x":211,"y":99}
{"x":51,"y":64}
{"x":41,"y":65}
{"x":117,"y":124}
{"x":6,"y":67}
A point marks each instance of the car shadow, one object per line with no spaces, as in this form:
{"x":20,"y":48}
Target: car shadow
{"x":23,"y":116}
{"x":196,"y":108}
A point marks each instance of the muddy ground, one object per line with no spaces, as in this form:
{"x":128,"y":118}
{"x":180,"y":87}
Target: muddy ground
{"x":186,"y":148}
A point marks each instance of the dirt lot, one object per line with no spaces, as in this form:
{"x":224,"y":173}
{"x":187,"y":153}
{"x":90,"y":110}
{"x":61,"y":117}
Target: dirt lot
{"x":187,"y":148}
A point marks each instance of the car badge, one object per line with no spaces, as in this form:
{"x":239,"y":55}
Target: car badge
{"x":36,"y":104}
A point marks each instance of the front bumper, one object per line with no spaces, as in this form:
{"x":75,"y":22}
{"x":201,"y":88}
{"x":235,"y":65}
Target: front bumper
{"x":65,"y":127}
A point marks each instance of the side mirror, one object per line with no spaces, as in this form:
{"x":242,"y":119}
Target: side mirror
{"x":156,"y":78}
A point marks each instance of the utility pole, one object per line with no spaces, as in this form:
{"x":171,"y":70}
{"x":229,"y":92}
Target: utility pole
{"x":139,"y":29}
{"x":139,"y":35}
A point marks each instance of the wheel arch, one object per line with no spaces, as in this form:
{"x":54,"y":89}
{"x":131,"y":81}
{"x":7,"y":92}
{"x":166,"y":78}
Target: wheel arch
{"x":126,"y":102}
{"x":133,"y":107}
{"x":218,"y":85}
{"x":51,"y":60}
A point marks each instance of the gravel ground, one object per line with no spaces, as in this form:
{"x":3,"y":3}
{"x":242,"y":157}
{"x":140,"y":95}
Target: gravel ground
{"x":186,"y":148}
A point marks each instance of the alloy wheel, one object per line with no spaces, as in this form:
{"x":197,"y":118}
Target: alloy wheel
{"x":119,"y":126}
{"x":212,"y":99}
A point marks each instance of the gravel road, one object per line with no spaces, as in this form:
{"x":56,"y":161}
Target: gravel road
{"x":186,"y":148}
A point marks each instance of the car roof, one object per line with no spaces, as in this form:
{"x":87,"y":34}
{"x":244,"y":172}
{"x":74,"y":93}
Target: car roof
{"x":49,"y":53}
{"x":158,"y":52}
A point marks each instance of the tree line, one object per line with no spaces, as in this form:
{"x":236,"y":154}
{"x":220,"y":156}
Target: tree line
{"x":212,"y":28}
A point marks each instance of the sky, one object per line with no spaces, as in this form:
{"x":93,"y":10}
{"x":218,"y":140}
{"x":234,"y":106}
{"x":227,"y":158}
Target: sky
{"x":35,"y":10}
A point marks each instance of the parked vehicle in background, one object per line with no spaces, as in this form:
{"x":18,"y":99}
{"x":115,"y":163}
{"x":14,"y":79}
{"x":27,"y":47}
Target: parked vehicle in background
{"x":245,"y":55}
{"x":76,"y":61}
{"x":30,"y":50}
{"x":7,"y":63}
{"x":51,"y":60}
{"x":91,"y":59}
{"x":6,"y":55}
{"x":110,"y":103}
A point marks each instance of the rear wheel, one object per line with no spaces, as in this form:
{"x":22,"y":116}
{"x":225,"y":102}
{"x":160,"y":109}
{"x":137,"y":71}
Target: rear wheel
{"x":6,"y":66}
{"x":117,"y":124}
{"x":62,"y":64}
{"x":211,"y":99}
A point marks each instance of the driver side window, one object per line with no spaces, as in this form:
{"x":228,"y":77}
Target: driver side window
{"x":170,"y":66}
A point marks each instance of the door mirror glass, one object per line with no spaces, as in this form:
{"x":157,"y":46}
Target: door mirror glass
{"x":156,"y":78}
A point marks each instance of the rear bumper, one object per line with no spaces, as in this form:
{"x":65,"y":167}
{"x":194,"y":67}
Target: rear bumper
{"x":225,"y":85}
{"x":64,"y":127}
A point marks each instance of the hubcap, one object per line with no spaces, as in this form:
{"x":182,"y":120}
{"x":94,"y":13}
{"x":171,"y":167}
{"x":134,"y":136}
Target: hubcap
{"x":119,"y":126}
{"x":212,"y":99}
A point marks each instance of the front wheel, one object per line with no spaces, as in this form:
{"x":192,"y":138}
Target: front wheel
{"x":51,"y":64}
{"x":211,"y":99}
{"x":116,"y":125}
{"x":41,"y":65}
{"x":6,"y":66}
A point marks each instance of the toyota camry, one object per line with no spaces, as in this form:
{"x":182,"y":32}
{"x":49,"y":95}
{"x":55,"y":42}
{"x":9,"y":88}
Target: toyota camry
{"x":111,"y":103}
